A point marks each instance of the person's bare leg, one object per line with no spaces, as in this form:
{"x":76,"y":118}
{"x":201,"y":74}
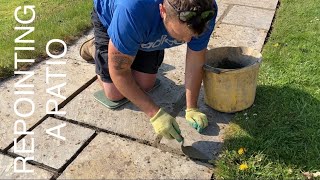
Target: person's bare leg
{"x":110,"y":90}
{"x":145,"y":82}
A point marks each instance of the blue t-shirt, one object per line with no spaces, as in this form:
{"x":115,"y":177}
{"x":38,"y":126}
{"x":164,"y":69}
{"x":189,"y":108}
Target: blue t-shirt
{"x":134,"y":25}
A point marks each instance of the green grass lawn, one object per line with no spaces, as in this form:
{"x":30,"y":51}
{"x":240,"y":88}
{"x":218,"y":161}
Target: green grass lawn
{"x":57,"y":19}
{"x":281,"y":131}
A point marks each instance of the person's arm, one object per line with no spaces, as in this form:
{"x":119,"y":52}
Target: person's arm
{"x":196,"y":56}
{"x":120,"y":71}
{"x":193,"y":78}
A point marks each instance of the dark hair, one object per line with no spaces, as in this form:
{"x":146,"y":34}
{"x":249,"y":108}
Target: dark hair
{"x":197,"y":25}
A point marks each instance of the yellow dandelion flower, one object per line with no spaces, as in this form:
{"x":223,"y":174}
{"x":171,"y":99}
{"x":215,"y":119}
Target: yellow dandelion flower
{"x":241,"y":151}
{"x":276,"y":45}
{"x":243,"y":166}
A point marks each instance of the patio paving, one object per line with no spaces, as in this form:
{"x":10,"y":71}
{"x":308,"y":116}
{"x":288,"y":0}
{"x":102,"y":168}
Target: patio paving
{"x":121,"y":144}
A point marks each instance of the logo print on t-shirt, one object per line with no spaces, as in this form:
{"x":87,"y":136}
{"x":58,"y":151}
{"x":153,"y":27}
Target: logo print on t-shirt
{"x":160,"y":42}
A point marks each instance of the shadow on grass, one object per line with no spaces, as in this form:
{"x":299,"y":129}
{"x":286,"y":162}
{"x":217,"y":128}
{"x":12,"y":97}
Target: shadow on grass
{"x":283,"y":124}
{"x":5,"y":73}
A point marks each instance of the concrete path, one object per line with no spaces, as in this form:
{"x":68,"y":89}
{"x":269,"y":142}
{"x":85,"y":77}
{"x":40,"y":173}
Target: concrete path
{"x":101,"y":143}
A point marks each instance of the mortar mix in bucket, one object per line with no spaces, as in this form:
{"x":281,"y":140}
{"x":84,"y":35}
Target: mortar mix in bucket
{"x":230,"y":78}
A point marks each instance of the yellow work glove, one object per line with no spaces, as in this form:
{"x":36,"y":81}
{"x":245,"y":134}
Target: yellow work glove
{"x":196,"y":119}
{"x":166,"y":125}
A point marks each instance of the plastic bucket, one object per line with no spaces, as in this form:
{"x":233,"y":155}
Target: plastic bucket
{"x":230,"y":78}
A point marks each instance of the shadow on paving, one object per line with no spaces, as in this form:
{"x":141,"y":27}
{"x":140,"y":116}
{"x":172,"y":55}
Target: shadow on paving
{"x":284,"y":124}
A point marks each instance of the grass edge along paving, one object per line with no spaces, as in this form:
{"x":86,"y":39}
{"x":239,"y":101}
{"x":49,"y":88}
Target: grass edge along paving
{"x":279,"y":136}
{"x":62,"y":19}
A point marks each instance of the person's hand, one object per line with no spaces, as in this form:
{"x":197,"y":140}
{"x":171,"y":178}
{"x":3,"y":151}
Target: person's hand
{"x":166,"y":125}
{"x":196,"y":119}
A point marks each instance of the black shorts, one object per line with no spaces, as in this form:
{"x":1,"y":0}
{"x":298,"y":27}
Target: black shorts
{"x":146,"y":62}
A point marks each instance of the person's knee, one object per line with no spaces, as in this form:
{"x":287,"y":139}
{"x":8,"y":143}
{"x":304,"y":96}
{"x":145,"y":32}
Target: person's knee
{"x":146,"y":86}
{"x":145,"y":81}
{"x":110,"y":91}
{"x":113,"y":95}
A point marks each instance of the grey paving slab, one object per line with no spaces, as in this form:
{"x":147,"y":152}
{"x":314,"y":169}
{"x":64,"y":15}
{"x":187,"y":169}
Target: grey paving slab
{"x":7,"y":170}
{"x":112,"y":157}
{"x":268,"y":4}
{"x":50,"y":150}
{"x":210,"y":141}
{"x":173,"y":66}
{"x":77,"y":74}
{"x":232,"y":35}
{"x":128,"y":119}
{"x":249,"y":16}
{"x":222,"y":7}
